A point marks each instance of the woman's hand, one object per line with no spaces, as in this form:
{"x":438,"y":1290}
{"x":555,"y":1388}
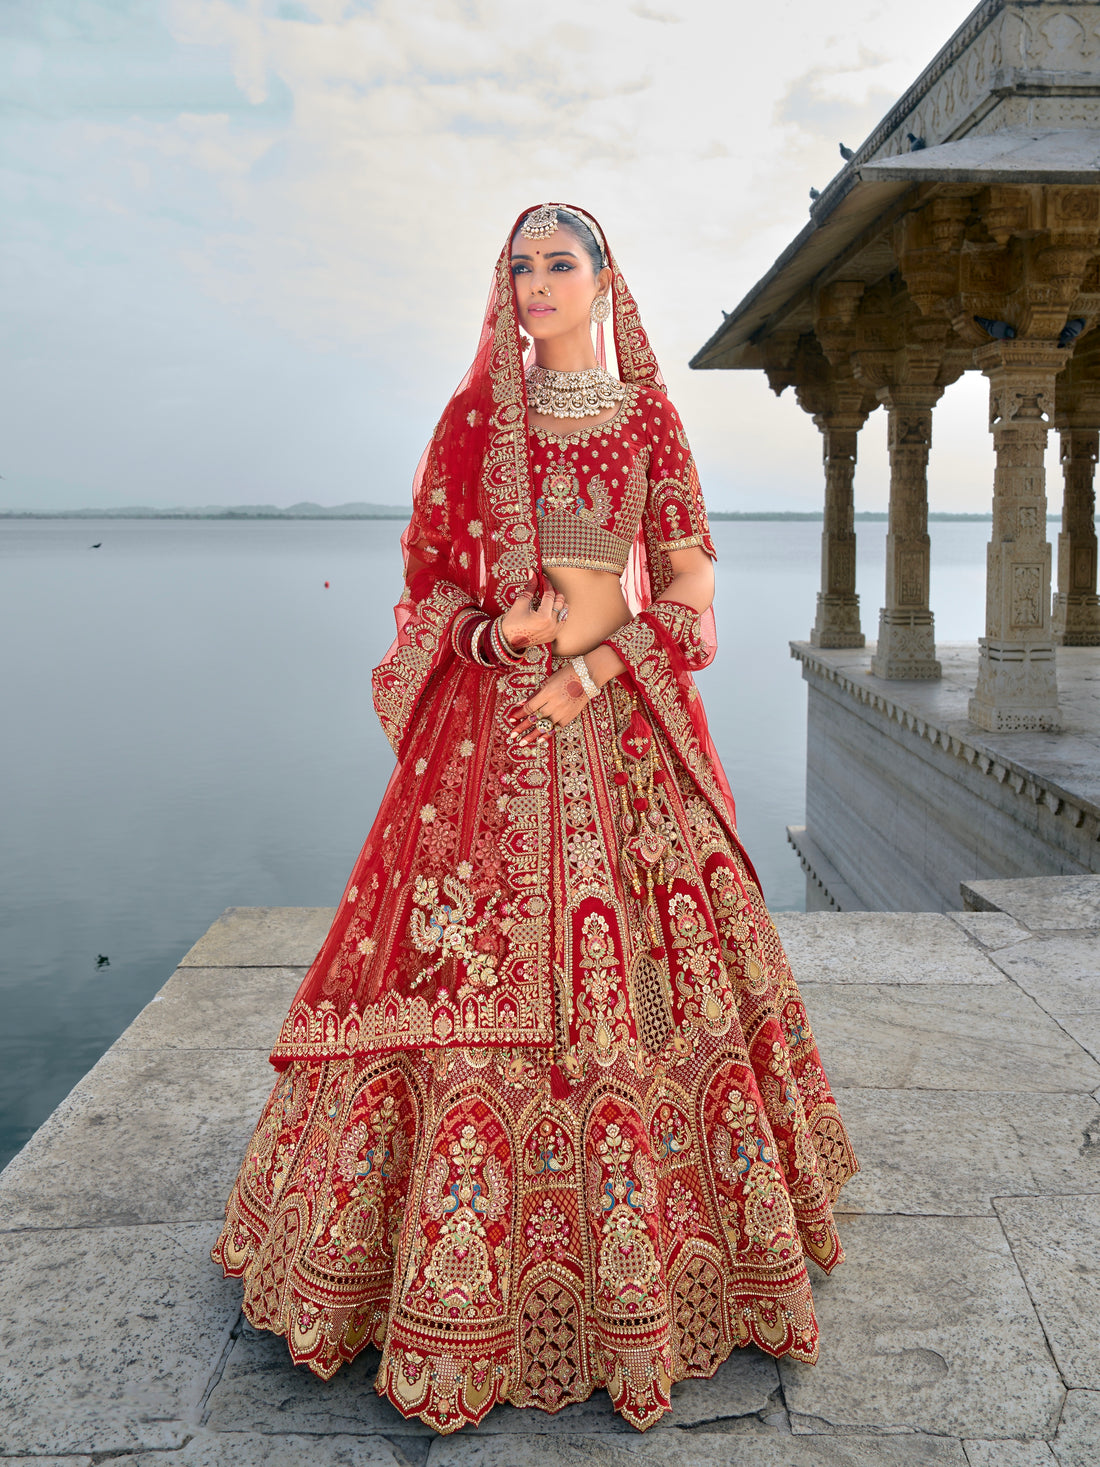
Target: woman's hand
{"x":561,"y":698}
{"x":524,"y":626}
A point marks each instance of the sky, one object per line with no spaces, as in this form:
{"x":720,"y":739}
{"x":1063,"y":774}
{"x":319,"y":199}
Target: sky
{"x":247,"y":243}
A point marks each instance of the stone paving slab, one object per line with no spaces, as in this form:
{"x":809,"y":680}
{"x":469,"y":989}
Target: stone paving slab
{"x":1077,"y":1442}
{"x":1061,"y":972}
{"x":926,"y":1326}
{"x":1084,"y":1029}
{"x":754,"y":1446}
{"x":882,"y":947}
{"x":260,"y":1385}
{"x":944,"y":1037}
{"x":1040,"y":902}
{"x":215,"y":1008}
{"x":261,"y":937}
{"x":52,"y":1461}
{"x":237,"y":1449}
{"x":1054,"y":1240}
{"x":990,"y":930}
{"x":108,"y":1336}
{"x":950,"y":1153}
{"x":1009,"y":1454}
{"x":147,"y":1136}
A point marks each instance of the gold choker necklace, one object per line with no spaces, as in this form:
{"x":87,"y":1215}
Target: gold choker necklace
{"x":572,"y":394}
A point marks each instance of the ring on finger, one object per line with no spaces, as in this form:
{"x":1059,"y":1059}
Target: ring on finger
{"x":544,"y":725}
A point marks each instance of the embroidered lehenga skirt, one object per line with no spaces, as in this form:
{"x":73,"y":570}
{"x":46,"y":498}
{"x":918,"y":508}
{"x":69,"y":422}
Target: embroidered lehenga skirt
{"x":619,"y":1208}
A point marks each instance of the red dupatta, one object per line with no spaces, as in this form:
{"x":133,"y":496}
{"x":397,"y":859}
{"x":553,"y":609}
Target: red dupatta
{"x":472,"y":538}
{"x":481,"y":892}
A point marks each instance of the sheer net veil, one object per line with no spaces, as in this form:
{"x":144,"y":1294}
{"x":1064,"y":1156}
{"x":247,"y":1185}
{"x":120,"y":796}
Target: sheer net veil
{"x":472,"y":523}
{"x":472,"y":538}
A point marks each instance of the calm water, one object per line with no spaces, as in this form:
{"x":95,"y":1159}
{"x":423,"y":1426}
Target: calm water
{"x":188,"y":726}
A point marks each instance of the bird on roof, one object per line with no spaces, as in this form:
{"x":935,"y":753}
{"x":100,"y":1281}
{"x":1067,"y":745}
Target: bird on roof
{"x":999,"y":330}
{"x":847,"y":153}
{"x":815,"y":194}
{"x":915,"y":143}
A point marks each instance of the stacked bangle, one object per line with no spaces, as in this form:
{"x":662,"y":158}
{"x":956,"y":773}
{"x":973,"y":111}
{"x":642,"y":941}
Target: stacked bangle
{"x":476,"y":653}
{"x":507,"y":655}
{"x":479,"y":639}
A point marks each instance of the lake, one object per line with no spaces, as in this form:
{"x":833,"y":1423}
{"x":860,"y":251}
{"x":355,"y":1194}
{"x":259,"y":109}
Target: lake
{"x":188,"y":726}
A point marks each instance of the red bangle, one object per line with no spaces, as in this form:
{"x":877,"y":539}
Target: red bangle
{"x":507,"y":655}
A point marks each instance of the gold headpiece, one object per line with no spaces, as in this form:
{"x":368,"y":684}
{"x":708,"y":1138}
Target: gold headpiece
{"x":540,"y":223}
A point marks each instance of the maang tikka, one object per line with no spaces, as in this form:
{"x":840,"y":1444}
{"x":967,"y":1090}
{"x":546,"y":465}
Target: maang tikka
{"x":540,"y":223}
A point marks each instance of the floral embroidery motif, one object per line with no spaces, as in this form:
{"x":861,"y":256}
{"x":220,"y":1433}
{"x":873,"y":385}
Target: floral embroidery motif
{"x":449,"y":928}
{"x":625,"y":1193}
{"x":458,"y":1274}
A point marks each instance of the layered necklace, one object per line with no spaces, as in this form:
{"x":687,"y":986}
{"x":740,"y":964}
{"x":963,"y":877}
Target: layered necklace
{"x":572,"y":394}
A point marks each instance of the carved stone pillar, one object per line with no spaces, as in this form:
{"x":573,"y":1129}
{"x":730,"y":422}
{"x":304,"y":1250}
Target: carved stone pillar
{"x":837,"y":623}
{"x":906,"y":636}
{"x":1017,"y":684}
{"x":1075,"y":621}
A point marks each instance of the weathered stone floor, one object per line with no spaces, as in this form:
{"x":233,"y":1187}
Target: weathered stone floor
{"x":963,"y":1327}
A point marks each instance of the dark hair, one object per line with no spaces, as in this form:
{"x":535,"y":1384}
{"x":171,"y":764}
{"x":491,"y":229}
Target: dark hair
{"x":577,"y":226}
{"x":582,"y":233}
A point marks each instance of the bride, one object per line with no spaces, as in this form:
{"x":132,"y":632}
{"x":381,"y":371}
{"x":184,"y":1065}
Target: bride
{"x":550,"y":1114}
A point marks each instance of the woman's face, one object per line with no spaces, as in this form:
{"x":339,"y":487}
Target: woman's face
{"x":555,"y":286}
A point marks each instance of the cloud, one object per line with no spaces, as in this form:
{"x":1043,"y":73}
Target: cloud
{"x":332,"y":181}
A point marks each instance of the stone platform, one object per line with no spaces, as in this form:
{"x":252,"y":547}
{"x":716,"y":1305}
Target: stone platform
{"x":906,"y":797}
{"x":963,"y":1329}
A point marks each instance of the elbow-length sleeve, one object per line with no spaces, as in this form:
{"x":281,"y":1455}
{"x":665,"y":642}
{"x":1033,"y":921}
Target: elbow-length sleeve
{"x":675,"y":516}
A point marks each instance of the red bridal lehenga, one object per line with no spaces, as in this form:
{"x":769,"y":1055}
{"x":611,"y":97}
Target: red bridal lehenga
{"x":550,"y":1114}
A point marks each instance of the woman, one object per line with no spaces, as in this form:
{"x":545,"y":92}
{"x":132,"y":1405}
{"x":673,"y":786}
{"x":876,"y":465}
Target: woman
{"x":550,"y":1112}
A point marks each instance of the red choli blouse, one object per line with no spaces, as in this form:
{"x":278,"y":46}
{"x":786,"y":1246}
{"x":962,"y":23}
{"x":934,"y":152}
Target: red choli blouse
{"x":593,"y":487}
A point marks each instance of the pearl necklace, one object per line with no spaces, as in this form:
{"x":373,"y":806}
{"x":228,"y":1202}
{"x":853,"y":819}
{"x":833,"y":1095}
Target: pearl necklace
{"x":572,"y":394}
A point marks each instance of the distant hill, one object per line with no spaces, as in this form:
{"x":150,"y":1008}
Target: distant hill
{"x":304,"y":511}
{"x":308,"y":511}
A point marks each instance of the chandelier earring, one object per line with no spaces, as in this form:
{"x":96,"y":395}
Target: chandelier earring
{"x":600,"y":309}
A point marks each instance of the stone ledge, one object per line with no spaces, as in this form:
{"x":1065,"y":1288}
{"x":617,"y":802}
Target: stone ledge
{"x":261,"y":937}
{"x":821,"y":870}
{"x":882,"y":947}
{"x":952,"y":731}
{"x":1039,"y":902}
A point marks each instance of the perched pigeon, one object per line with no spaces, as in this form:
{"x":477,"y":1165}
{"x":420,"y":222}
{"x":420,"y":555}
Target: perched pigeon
{"x":1071,"y":331}
{"x":915,"y":143}
{"x":847,"y":153}
{"x":815,"y":193}
{"x":1000,"y":330}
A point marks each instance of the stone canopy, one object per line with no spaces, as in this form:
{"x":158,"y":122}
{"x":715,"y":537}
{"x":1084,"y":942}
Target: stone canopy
{"x":963,"y":235}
